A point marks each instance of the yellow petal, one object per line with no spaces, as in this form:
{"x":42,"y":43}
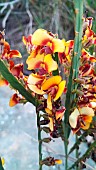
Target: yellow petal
{"x":73,"y":118}
{"x":33,"y":62}
{"x":35,"y":89}
{"x":48,"y":111}
{"x":52,"y":65}
{"x":58,"y":45}
{"x":86,"y":126}
{"x":58,"y":161}
{"x":3,"y":161}
{"x":49,"y":103}
{"x":61,"y":87}
{"x":87,"y":111}
{"x":41,"y":37}
{"x":55,"y":80}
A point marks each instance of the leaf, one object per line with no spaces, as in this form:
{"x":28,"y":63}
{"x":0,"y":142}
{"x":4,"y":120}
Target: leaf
{"x":16,"y":84}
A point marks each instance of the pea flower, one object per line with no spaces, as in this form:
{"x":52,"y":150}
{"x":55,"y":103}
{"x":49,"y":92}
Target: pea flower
{"x":54,"y":87}
{"x":43,"y":38}
{"x":81,"y":118}
{"x":44,"y":64}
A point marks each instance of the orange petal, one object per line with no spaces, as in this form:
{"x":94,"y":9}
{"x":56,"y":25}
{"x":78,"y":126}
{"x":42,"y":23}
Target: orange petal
{"x":61,"y":87}
{"x":86,"y":126}
{"x":35,"y":89}
{"x":33,"y":63}
{"x":58,"y":45}
{"x":14,"y":100}
{"x":58,"y":161}
{"x":41,"y":37}
{"x":52,"y":65}
{"x":55,"y":80}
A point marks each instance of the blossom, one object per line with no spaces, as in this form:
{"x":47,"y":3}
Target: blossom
{"x":8,"y":53}
{"x":43,"y":38}
{"x":81,"y":118}
{"x":54,"y":87}
{"x":15,"y":99}
{"x":44,"y":64}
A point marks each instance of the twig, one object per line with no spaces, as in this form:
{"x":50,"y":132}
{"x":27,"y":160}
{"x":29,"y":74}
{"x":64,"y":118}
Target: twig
{"x":6,"y":16}
{"x":9,"y":3}
{"x":29,"y":26}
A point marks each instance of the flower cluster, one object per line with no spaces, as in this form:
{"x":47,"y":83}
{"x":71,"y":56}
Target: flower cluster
{"x":81,"y":117}
{"x":8,"y":55}
{"x":46,"y":51}
{"x":42,"y":47}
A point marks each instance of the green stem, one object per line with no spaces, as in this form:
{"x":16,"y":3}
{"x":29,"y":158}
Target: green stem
{"x":39,"y":136}
{"x":73,"y":70}
{"x":39,"y":140}
{"x":77,"y":153}
{"x":87,"y":153}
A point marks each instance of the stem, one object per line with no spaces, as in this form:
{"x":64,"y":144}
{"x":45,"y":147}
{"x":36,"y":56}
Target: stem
{"x":39,"y":136}
{"x":39,"y":141}
{"x":73,"y":70}
{"x":77,"y":154}
{"x":87,"y":153}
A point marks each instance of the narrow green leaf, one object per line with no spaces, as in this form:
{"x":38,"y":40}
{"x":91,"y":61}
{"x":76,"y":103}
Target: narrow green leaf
{"x":16,"y":84}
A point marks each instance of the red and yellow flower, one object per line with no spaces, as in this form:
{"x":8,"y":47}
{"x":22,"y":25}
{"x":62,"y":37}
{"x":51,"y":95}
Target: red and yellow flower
{"x":44,"y":64}
{"x":54,"y":87}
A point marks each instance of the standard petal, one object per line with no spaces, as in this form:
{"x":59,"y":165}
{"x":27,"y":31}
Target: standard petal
{"x":55,"y":80}
{"x":87,"y":111}
{"x":41,"y":37}
{"x":61,"y":87}
{"x":73,"y":118}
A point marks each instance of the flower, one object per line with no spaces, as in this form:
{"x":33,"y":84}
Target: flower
{"x":44,"y":64}
{"x":81,"y":118}
{"x":43,"y":38}
{"x":54,"y":87}
{"x":15,"y":99}
{"x":8,"y":54}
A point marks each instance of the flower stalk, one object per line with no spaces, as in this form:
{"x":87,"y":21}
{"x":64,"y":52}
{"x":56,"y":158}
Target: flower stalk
{"x":73,"y":70}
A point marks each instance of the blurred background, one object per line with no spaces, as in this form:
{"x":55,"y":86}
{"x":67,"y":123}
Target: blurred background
{"x":18,"y":18}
